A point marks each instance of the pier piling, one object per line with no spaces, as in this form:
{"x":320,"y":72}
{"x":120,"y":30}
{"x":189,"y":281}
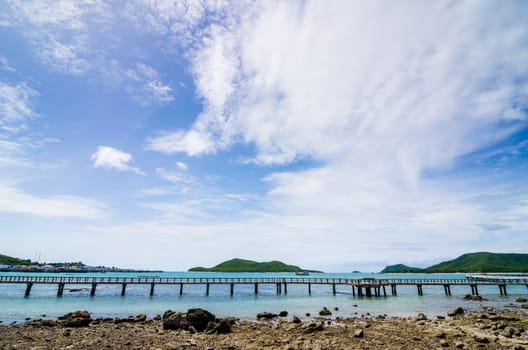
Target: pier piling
{"x":394,"y":292}
{"x":152,"y":289}
{"x":207,"y":289}
{"x":181,"y":288}
{"x":256,"y":288}
{"x":92,"y":291}
{"x":334,"y":288}
{"x":310,"y":288}
{"x":60,"y":289}
{"x":232,"y":289}
{"x":474,"y":289}
{"x":28,"y":289}
{"x":285,"y":288}
{"x":420,"y":289}
{"x":123,"y":289}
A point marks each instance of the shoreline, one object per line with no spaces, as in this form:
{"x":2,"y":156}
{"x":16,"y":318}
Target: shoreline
{"x":488,"y":328}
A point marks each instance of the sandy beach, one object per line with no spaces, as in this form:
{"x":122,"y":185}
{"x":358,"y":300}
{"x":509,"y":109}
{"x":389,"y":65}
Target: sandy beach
{"x":489,"y":329}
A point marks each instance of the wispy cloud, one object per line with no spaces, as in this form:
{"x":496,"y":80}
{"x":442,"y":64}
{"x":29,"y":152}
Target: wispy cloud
{"x":112,"y":158}
{"x":14,"y":200}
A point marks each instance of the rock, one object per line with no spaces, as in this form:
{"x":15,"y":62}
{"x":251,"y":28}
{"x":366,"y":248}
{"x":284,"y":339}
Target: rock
{"x":76,"y":319}
{"x":48,"y":323}
{"x":524,"y":306}
{"x":199,"y":318}
{"x":456,"y":312}
{"x":223,"y":327}
{"x":140,"y":318}
{"x":325,"y":312}
{"x":359,"y":333}
{"x":521,"y":300}
{"x":421,"y":317}
{"x":481,"y":339}
{"x":473,"y":297}
{"x":336,"y":308}
{"x":444,"y":344}
{"x":157,"y":317}
{"x":307,"y":314}
{"x":313,"y":327}
{"x":296,"y":319}
{"x":168,"y":313}
{"x":266,"y":315}
{"x":460,"y":345}
{"x":440,"y":317}
{"x":283,"y":313}
{"x":175,"y":321}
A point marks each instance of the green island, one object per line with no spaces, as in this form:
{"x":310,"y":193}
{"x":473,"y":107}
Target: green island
{"x":241,"y":265}
{"x":484,"y":262}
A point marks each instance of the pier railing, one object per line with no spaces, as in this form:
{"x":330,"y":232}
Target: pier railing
{"x":370,"y":286}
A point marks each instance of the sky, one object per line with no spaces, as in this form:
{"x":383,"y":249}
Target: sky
{"x":333,"y":135}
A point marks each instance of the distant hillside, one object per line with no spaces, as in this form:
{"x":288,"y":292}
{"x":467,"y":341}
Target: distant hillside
{"x":472,"y":263}
{"x":241,"y":265}
{"x":400,"y":268}
{"x":9,"y":260}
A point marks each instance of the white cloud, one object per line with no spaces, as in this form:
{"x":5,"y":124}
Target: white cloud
{"x":13,"y":200}
{"x":182,"y":166}
{"x":145,"y":85}
{"x":4,"y":65}
{"x":192,"y":142}
{"x":15,"y":106}
{"x":111,"y":158}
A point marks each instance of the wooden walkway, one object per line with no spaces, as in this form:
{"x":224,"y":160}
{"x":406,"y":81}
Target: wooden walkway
{"x":362,"y":286}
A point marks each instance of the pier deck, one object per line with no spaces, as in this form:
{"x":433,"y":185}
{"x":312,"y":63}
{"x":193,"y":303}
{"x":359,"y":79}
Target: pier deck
{"x":361,"y":286}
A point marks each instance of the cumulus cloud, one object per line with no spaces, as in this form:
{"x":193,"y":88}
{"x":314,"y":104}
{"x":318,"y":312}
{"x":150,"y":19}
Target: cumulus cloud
{"x":111,"y":158}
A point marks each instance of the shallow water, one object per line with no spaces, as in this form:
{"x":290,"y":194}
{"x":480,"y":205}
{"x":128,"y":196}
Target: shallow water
{"x":108,"y":301}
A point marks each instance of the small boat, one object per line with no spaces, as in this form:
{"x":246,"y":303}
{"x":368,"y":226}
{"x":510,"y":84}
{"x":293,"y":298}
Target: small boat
{"x":302,"y":273}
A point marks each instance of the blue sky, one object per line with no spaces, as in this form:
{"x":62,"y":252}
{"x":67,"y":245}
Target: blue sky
{"x":338,"y":135}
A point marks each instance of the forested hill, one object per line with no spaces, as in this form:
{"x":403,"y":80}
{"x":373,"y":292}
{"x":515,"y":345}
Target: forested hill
{"x":472,"y":263}
{"x":241,"y":265}
{"x":9,"y":260}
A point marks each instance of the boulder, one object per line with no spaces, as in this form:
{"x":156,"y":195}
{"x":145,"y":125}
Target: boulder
{"x":175,"y":321}
{"x":223,"y":327}
{"x":421,"y":317}
{"x":76,"y":319}
{"x":325,"y":312}
{"x":266,"y":315}
{"x":313,"y":327}
{"x":473,"y":297}
{"x":521,"y":300}
{"x":199,"y":318}
{"x":296,"y":319}
{"x":456,"y":312}
{"x":283,"y":313}
{"x":359,"y":333}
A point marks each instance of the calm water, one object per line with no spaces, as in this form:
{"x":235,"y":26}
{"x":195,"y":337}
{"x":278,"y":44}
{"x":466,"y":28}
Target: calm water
{"x":108,"y":301}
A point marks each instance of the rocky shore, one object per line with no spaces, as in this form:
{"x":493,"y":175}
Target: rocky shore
{"x":199,"y":329}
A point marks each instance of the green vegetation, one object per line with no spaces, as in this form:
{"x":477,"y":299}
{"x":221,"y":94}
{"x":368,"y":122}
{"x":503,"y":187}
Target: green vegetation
{"x":400,"y":268}
{"x":241,"y":265}
{"x":9,"y":260}
{"x":472,"y":263}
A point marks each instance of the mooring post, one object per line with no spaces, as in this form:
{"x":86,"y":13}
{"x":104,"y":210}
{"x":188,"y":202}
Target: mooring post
{"x":123,"y":289}
{"x":152,"y":289}
{"x":256,"y":288}
{"x":92,"y":291}
{"x":181,"y":288}
{"x":232,"y":289}
{"x":207,"y":289}
{"x":60,"y":289}
{"x":28,"y":289}
{"x":334,"y":288}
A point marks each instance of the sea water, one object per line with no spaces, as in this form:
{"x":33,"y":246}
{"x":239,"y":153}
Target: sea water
{"x":244,"y":304}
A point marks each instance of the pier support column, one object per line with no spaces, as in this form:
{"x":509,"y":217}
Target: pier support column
{"x":60,"y":289}
{"x":474,"y":289}
{"x":447,"y":289}
{"x":368,"y":291}
{"x":279,"y":288}
{"x":231,"y":289}
{"x":92,"y":290}
{"x":394,"y":292}
{"x":181,"y":288}
{"x":285,"y":288}
{"x":360,"y":291}
{"x":310,"y":288}
{"x":334,"y":288}
{"x":502,"y":289}
{"x":384,"y":292}
{"x":256,"y":288}
{"x":28,"y":289}
{"x":123,"y":289}
{"x":353,"y":291}
{"x":152,"y":289}
{"x":420,"y":290}
{"x":207,"y":289}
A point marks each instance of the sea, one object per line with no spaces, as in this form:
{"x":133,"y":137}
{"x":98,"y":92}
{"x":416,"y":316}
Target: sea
{"x":244,"y":304}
